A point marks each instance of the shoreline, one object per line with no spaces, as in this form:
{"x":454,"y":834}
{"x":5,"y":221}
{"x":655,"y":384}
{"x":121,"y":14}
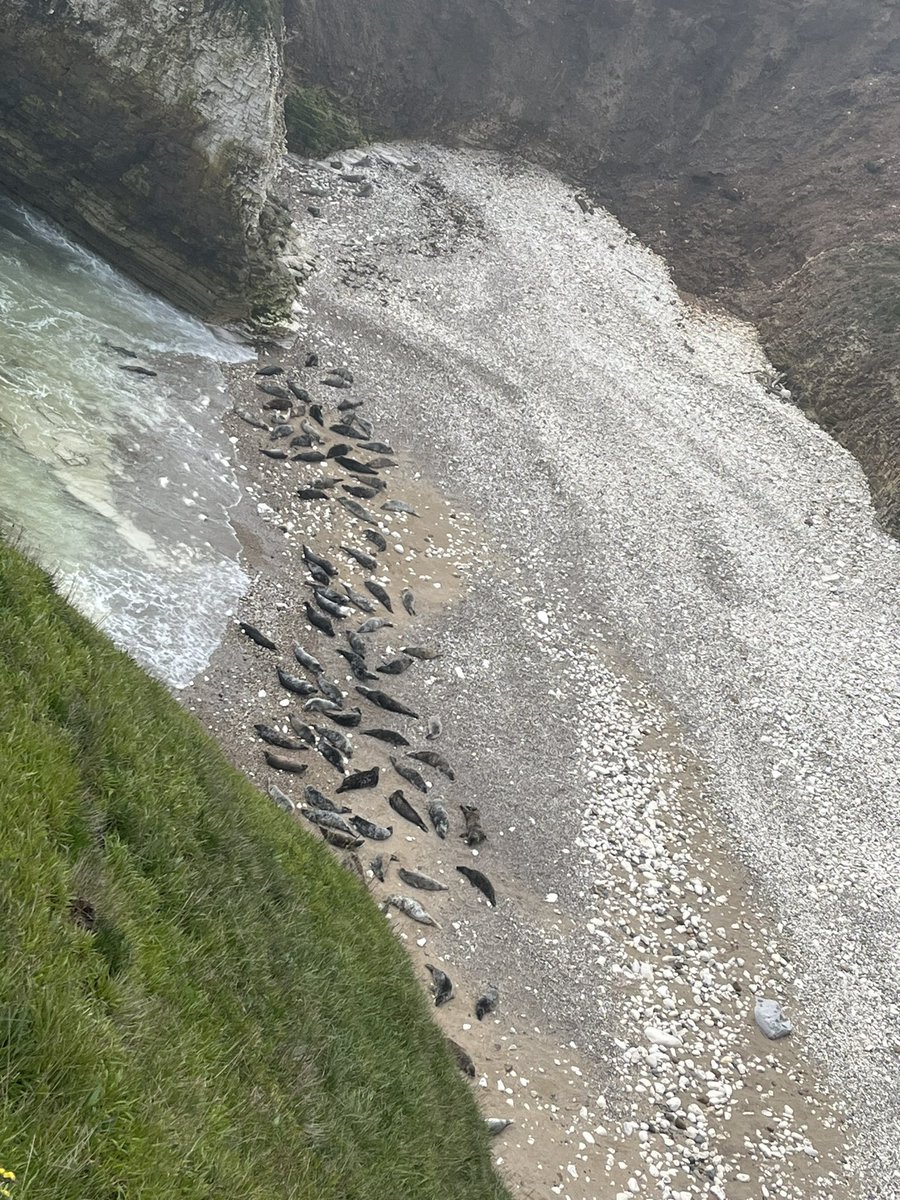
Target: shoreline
{"x":521,"y":756}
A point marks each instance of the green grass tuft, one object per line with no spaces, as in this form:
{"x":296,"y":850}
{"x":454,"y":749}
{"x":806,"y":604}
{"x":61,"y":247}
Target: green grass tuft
{"x":196,"y":999}
{"x":317,"y":123}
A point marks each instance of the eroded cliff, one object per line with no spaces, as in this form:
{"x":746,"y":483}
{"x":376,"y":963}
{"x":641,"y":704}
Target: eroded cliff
{"x":754,"y":145}
{"x":154,"y":131}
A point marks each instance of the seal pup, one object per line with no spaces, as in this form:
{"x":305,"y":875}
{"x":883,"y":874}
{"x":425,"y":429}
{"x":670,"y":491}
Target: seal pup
{"x":339,"y":839}
{"x":282,"y":799}
{"x":386,"y":735}
{"x":473,"y":835}
{"x":383,"y":700}
{"x":379,"y":593}
{"x":481,"y":882}
{"x":411,"y":908}
{"x":432,"y":759}
{"x":424,"y":882}
{"x":403,"y":808}
{"x":380,"y":865}
{"x":368,"y":829}
{"x":435,"y":729}
{"x":360,"y":779}
{"x":439,"y":818}
{"x":441,"y":985}
{"x":254,"y":635}
{"x":462,"y":1058}
{"x":408,"y":602}
{"x":279,"y":763}
{"x":487,"y":1002}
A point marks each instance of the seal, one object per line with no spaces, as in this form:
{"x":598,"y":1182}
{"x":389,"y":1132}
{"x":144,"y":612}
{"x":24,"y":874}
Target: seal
{"x":349,"y":719}
{"x":279,"y":763}
{"x":275,"y":390}
{"x":330,"y":691}
{"x":305,"y":659}
{"x":334,"y":381}
{"x":340,"y":611}
{"x":311,"y":494}
{"x":439,"y":818}
{"x":310,"y":556}
{"x":357,"y":510}
{"x":338,"y":739}
{"x":328,"y":820}
{"x":424,"y":882}
{"x":403,"y":808}
{"x":349,"y":405}
{"x":380,"y":463}
{"x":376,"y":447}
{"x":474,"y":835}
{"x":355,"y":466}
{"x":441,"y":985}
{"x":312,"y":360}
{"x":380,"y":865}
{"x":357,"y":600}
{"x":277,"y":454}
{"x":340,"y":840}
{"x":358,"y":666}
{"x":342,"y":429}
{"x":302,"y":731}
{"x":375,"y":538}
{"x":310,"y":456}
{"x":336,"y":449}
{"x":398,"y":506}
{"x":342,"y":373}
{"x":383,"y":700}
{"x":371,"y":481}
{"x":496,"y":1125}
{"x":360,"y":779}
{"x":320,"y":801}
{"x":275,"y":738}
{"x":362,"y":493}
{"x":379,"y":593}
{"x":386,"y":735}
{"x":487,"y":1002}
{"x":300,"y":392}
{"x":320,"y":705}
{"x":432,"y":759}
{"x":332,"y":756}
{"x":291,"y":683}
{"x":463,"y":1061}
{"x":411,"y":908}
{"x":252,"y":421}
{"x":396,"y":666}
{"x":481,"y":882}
{"x":364,"y":560}
{"x":368,"y":829}
{"x":424,"y":653}
{"x":254,"y":635}
{"x":435,"y":729}
{"x":279,"y":432}
{"x":373,"y":624}
{"x":316,"y":619}
{"x":408,"y":602}
{"x":281,"y":798}
{"x":315,"y":411}
{"x":409,"y":774}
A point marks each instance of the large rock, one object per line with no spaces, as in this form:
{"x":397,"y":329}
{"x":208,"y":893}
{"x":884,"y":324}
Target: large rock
{"x":153,"y":130}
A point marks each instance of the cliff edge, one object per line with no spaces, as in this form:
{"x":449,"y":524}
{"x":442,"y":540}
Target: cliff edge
{"x":154,"y":132}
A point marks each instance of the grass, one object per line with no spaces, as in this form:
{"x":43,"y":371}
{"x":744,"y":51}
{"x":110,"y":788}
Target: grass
{"x":196,"y":999}
{"x":318,"y":124}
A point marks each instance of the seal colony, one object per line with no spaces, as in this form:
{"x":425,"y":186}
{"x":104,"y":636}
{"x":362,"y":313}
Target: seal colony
{"x":627,"y":948}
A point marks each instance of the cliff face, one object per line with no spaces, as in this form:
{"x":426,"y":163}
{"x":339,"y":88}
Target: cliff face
{"x":154,"y":131}
{"x":756,"y":146}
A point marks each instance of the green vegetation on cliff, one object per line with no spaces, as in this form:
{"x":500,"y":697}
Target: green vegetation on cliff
{"x":317,"y":123}
{"x":196,"y":999}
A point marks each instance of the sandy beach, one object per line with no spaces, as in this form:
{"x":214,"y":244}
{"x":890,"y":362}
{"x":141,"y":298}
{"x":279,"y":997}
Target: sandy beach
{"x":667,"y":678}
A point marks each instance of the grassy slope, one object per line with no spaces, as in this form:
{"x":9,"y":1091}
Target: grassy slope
{"x":239,"y":1021}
